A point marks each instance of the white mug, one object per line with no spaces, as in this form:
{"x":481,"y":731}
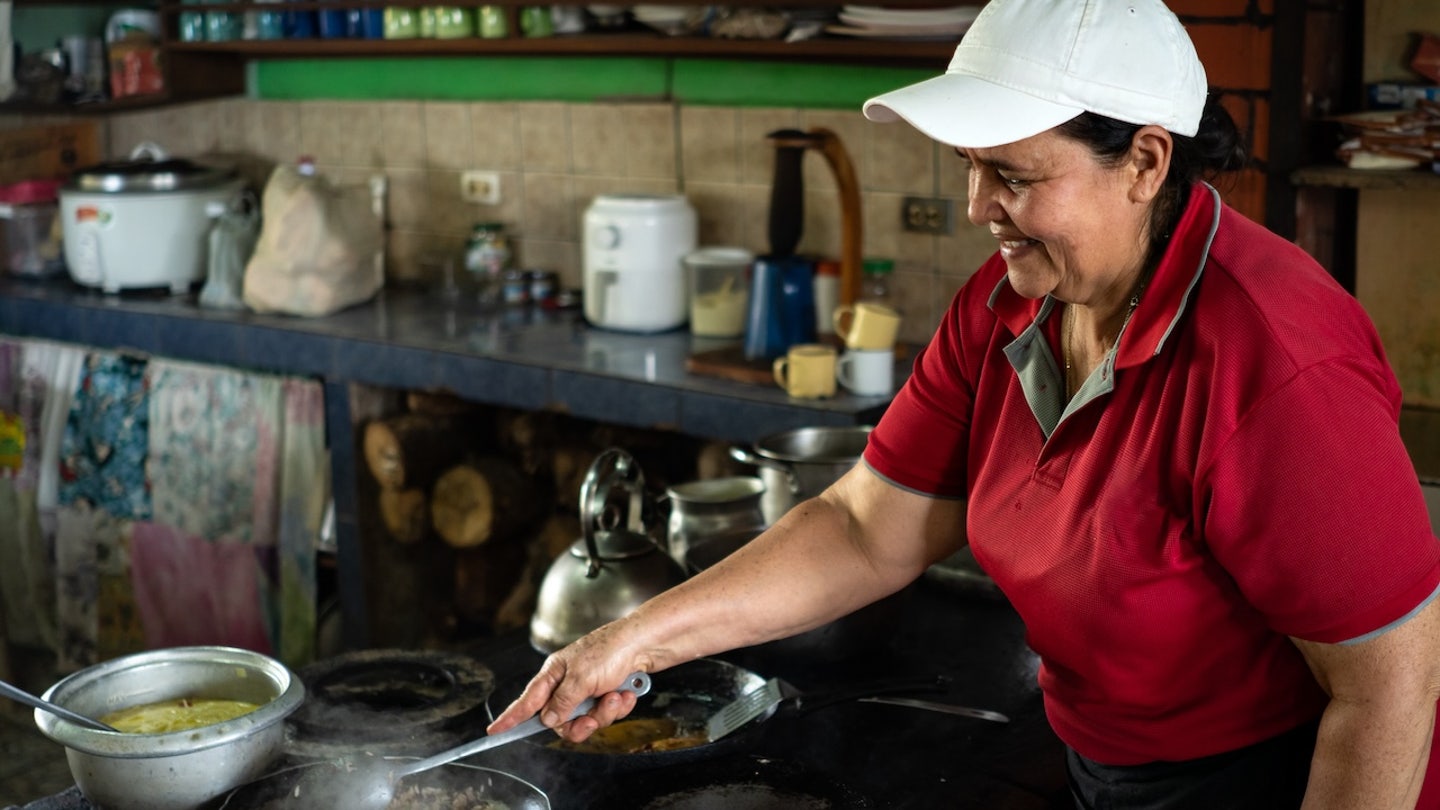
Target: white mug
{"x":867,"y":372}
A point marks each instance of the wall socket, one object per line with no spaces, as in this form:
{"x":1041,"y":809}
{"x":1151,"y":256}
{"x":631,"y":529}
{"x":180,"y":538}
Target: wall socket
{"x":928,"y":215}
{"x":480,"y":187}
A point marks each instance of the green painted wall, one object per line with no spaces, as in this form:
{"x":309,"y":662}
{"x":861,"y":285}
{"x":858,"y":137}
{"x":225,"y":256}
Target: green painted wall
{"x":690,"y":81}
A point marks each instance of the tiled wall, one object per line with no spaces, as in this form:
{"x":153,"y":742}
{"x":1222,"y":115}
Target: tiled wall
{"x":553,"y":158}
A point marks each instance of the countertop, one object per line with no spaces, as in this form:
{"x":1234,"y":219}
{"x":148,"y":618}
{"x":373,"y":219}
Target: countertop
{"x":521,"y":357}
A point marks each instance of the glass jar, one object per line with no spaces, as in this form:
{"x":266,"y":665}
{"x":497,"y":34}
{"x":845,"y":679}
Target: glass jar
{"x":875,"y":280}
{"x":487,"y":256}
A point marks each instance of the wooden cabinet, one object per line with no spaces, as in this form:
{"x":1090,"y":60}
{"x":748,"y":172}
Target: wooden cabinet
{"x":198,"y":70}
{"x":188,"y":76}
{"x":1373,"y":228}
{"x":631,"y":41}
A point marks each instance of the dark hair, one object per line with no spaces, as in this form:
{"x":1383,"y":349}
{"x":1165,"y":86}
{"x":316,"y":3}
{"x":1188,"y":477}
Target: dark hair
{"x":1216,"y":147}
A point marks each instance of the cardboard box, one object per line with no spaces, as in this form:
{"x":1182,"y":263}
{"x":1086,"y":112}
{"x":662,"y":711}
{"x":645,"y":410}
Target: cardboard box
{"x":48,"y":152}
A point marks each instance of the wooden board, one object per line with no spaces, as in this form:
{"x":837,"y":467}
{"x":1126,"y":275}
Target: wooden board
{"x":729,"y":363}
{"x":48,"y":152}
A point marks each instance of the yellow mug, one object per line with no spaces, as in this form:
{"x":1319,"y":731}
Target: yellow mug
{"x":807,"y":371}
{"x":867,"y":325}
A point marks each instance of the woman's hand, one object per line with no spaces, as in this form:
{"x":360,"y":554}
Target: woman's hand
{"x":593,"y":666}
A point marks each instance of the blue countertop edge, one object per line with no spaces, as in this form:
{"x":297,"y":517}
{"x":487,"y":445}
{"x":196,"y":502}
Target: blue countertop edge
{"x":524,"y":358}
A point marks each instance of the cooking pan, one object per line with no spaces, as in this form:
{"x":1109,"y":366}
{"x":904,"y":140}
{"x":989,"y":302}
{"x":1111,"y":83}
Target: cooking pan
{"x":687,"y":694}
{"x":314,"y":785}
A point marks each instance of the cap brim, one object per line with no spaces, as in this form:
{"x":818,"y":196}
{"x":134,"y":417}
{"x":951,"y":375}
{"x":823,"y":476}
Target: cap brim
{"x":967,"y":112}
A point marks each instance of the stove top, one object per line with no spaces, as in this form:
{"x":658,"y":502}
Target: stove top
{"x":875,"y":755}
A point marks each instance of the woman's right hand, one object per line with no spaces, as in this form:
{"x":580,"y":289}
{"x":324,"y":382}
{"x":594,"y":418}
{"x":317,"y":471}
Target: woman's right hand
{"x":592,"y":666}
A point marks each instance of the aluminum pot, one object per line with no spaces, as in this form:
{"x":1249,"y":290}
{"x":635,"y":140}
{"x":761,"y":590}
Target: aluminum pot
{"x":182,"y":769}
{"x":801,"y":463}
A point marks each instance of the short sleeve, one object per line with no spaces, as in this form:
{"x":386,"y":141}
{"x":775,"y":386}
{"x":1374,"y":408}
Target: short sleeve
{"x":1314,"y":507}
{"x":922,"y":441}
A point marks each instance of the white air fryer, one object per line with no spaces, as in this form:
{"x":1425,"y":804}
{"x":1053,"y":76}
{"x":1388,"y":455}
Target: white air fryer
{"x":633,"y":276}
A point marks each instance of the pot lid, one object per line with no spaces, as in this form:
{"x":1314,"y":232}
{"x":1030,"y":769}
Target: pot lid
{"x":149,"y":168}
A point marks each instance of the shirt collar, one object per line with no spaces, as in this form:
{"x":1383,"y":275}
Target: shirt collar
{"x":1165,"y":296}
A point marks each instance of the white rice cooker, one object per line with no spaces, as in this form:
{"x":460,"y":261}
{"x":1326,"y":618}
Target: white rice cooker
{"x":633,"y":277}
{"x":142,"y":222}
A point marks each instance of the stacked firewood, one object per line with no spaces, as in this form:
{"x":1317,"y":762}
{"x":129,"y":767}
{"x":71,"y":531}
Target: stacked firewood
{"x":498,"y":490}
{"x":1392,"y":139}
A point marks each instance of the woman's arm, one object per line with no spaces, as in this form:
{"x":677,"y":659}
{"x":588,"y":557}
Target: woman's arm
{"x":1375,"y":735}
{"x":857,"y":542}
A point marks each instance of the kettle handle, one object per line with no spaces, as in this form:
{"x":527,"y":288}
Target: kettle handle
{"x":609,"y":465}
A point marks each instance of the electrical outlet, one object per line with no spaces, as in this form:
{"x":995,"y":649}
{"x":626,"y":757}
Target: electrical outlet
{"x":480,"y":187}
{"x":928,"y":215}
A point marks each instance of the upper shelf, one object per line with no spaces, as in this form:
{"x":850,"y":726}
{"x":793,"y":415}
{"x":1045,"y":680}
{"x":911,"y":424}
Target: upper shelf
{"x":635,"y":40}
{"x":916,"y":54}
{"x":1375,"y":179}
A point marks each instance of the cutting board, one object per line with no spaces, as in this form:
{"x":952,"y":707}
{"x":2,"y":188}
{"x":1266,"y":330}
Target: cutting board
{"x":729,"y":362}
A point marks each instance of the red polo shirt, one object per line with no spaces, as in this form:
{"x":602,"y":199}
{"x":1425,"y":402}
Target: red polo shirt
{"x":1231,"y":475}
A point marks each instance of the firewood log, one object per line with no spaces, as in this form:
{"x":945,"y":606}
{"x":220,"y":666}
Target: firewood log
{"x":482,"y":499}
{"x":405,"y":513}
{"x":484,"y":577}
{"x":409,"y":450}
{"x":569,"y":463}
{"x":438,"y":403}
{"x":554,"y":538}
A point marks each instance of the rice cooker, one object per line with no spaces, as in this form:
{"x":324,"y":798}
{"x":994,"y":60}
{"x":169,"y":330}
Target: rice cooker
{"x":633,"y":277}
{"x":142,"y":222}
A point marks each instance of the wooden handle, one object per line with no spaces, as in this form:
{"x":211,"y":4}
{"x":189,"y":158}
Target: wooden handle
{"x":852,"y":231}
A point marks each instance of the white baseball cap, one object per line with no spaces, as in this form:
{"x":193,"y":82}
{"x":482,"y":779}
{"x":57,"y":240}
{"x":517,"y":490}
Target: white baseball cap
{"x":1026,"y":66}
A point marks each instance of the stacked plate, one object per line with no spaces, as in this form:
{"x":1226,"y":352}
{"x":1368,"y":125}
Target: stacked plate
{"x":932,"y":24}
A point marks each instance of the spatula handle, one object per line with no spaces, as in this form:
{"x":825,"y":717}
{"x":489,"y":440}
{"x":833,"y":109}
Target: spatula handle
{"x":636,"y":682}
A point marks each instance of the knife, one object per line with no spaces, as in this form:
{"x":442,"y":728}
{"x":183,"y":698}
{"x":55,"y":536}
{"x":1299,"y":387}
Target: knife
{"x":948,"y":708}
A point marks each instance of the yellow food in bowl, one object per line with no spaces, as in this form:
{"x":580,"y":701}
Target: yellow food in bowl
{"x":181,"y":714}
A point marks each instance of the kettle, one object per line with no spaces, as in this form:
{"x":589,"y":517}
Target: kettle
{"x":611,"y":570}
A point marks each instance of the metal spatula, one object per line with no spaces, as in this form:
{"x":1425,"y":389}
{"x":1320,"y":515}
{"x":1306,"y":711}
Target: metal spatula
{"x":743,"y":709}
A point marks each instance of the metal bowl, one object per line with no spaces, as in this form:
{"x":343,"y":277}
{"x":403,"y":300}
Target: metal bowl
{"x":180,"y":769}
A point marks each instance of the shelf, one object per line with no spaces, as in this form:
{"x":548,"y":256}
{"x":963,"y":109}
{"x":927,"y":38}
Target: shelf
{"x":128,"y":104}
{"x":919,"y":54}
{"x":1372,"y":179}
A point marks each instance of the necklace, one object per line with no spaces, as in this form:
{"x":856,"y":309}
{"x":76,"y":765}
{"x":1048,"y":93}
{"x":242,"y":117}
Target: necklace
{"x":1067,"y":342}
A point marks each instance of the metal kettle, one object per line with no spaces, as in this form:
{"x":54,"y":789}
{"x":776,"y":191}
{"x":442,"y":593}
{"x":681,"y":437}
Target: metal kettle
{"x":612,"y":569}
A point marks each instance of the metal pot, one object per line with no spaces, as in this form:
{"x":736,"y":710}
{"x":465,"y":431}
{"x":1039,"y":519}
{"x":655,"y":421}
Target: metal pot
{"x":611,"y":570}
{"x":315,"y":784}
{"x":182,"y":769}
{"x":714,"y":507}
{"x":801,"y":463}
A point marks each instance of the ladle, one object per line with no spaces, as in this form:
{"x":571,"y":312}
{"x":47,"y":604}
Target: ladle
{"x":374,"y":787}
{"x":16,"y":693}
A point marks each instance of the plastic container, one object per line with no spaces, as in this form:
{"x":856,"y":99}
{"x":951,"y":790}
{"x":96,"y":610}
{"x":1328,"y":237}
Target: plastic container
{"x":30,"y":243}
{"x":827,"y":295}
{"x":719,"y":290}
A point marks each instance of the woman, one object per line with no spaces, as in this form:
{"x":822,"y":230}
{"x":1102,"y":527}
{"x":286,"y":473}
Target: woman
{"x":1165,"y":432}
